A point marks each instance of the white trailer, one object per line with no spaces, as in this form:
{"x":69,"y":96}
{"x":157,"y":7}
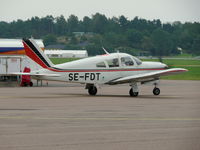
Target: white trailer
{"x":10,"y":64}
{"x":13,"y":58}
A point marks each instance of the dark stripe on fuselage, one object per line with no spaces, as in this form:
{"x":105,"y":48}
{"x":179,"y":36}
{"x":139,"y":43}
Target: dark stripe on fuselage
{"x":102,"y":70}
{"x":36,"y":52}
{"x":58,"y":69}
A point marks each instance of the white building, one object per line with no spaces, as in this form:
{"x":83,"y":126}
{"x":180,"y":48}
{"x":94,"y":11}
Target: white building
{"x":66,"y":53}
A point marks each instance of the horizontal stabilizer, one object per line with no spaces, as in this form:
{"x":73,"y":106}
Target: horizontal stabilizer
{"x":35,"y":74}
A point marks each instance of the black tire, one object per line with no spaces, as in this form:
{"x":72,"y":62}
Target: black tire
{"x":156,"y":91}
{"x":25,"y":84}
{"x":31,"y":84}
{"x":133,"y":94}
{"x":92,"y":90}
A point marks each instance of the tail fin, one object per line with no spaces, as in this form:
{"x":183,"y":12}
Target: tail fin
{"x":34,"y":52}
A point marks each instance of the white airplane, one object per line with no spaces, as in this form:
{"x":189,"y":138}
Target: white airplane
{"x":111,"y":69}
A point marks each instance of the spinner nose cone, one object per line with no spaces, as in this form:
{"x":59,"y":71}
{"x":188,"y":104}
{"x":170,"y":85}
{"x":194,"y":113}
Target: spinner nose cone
{"x":162,"y":65}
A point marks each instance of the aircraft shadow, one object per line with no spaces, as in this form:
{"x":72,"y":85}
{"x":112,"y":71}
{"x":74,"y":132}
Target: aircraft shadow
{"x":14,"y":109}
{"x":123,"y":96}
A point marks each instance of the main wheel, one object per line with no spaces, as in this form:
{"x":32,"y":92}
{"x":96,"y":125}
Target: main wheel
{"x":24,"y":84}
{"x":31,"y":84}
{"x":92,"y":90}
{"x":156,"y":91}
{"x":133,"y":94}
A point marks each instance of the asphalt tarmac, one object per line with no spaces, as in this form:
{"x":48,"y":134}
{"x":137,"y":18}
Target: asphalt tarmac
{"x":67,"y":118}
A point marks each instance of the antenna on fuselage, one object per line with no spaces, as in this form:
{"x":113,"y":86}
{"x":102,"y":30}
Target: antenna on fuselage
{"x":105,"y":50}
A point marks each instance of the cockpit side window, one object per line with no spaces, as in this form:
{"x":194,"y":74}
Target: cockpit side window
{"x":127,"y":61}
{"x":101,"y":65}
{"x":113,"y":62}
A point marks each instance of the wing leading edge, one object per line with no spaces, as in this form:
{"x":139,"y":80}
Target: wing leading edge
{"x":148,"y":76}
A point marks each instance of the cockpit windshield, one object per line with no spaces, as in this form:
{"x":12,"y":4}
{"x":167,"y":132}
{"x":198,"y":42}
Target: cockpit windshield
{"x":137,"y":60}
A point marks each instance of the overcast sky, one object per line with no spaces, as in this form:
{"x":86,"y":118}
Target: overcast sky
{"x":165,"y":10}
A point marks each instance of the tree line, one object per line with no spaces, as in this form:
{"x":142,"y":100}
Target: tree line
{"x":117,"y":33}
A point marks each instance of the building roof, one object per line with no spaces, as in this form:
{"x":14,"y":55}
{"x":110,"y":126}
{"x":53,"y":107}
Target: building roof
{"x":55,"y":46}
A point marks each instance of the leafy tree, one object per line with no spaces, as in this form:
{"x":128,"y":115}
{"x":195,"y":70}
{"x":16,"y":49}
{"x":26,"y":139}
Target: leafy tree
{"x":83,"y":38}
{"x":50,"y":39}
{"x":162,"y":43}
{"x":61,"y":25}
{"x":73,"y":40}
{"x":99,"y":23}
{"x":134,"y":37}
{"x":47,"y":25}
{"x":94,"y":49}
{"x":147,"y":44}
{"x":113,"y":25}
{"x":113,"y":33}
{"x":168,"y":27}
{"x":4,"y":29}
{"x":123,"y":22}
{"x":196,"y":45}
{"x":72,"y":23}
{"x":87,"y":24}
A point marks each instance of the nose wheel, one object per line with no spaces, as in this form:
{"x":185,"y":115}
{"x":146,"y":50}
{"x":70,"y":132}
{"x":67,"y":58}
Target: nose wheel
{"x":156,"y":91}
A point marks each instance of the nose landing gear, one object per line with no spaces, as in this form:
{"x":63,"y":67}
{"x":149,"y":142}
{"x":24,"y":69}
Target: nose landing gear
{"x":156,"y":91}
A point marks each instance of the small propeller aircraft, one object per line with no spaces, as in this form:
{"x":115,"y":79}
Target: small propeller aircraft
{"x":111,"y":69}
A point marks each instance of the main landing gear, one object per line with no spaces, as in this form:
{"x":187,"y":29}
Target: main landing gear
{"x":133,"y":94}
{"x":134,"y":91}
{"x":92,"y":90}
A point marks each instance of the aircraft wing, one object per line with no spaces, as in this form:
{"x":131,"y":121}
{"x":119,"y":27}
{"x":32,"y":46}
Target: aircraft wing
{"x":147,"y":76}
{"x":35,"y":74}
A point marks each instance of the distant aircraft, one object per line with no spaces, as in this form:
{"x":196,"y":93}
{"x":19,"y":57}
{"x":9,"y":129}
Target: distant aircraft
{"x":111,"y":69}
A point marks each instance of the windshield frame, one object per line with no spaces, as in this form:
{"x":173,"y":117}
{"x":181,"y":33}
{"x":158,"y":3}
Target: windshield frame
{"x":137,"y":60}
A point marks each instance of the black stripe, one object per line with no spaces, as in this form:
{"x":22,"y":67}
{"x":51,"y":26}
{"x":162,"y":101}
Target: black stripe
{"x":30,"y":44}
{"x":125,"y":69}
{"x":61,"y":69}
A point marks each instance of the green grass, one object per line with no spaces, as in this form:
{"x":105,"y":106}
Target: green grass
{"x":184,"y":55}
{"x":176,"y":61}
{"x":193,"y":67}
{"x":62,"y":60}
{"x":192,"y":74}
